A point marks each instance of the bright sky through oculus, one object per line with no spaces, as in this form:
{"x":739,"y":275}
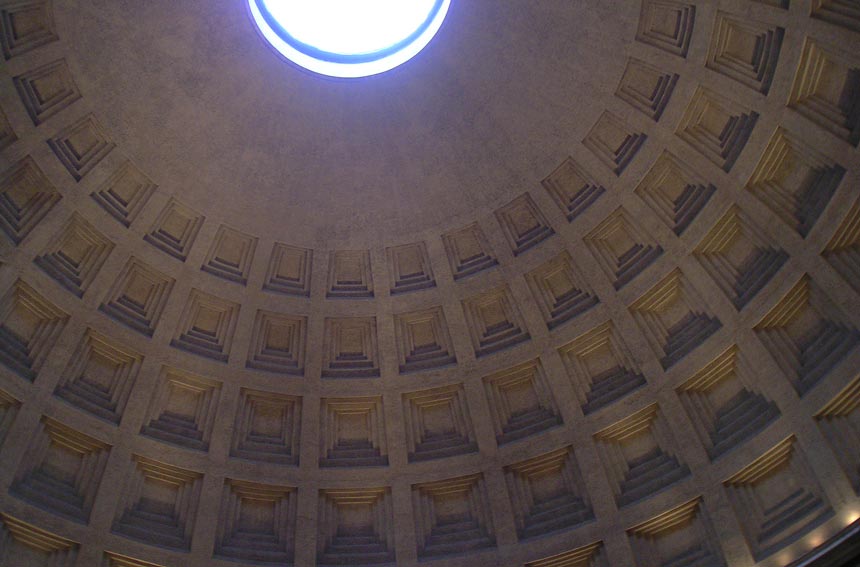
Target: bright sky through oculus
{"x":349,"y":38}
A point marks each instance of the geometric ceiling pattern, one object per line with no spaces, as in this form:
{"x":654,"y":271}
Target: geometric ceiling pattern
{"x":644,"y":355}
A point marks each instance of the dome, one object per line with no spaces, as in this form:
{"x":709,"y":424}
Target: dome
{"x":574,"y":285}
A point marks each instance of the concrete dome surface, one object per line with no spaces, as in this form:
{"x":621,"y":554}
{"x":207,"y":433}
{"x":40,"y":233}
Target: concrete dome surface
{"x":577,"y":285}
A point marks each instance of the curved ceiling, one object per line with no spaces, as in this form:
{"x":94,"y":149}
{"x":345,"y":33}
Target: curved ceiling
{"x":576,"y":286}
{"x":499,"y":97}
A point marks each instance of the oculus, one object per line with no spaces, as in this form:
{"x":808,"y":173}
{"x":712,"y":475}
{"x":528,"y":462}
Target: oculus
{"x":349,"y":38}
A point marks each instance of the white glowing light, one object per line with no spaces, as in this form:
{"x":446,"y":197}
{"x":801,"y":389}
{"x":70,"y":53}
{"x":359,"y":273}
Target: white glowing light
{"x":349,"y":38}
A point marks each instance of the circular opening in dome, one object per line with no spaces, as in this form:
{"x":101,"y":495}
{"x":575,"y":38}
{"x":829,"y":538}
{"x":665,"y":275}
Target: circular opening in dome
{"x":349,"y":38}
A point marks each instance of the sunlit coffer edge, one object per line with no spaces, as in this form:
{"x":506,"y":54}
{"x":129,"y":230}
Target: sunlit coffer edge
{"x":346,"y":38}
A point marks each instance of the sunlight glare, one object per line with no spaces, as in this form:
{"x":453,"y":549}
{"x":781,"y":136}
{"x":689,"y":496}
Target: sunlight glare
{"x":349,"y":38}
